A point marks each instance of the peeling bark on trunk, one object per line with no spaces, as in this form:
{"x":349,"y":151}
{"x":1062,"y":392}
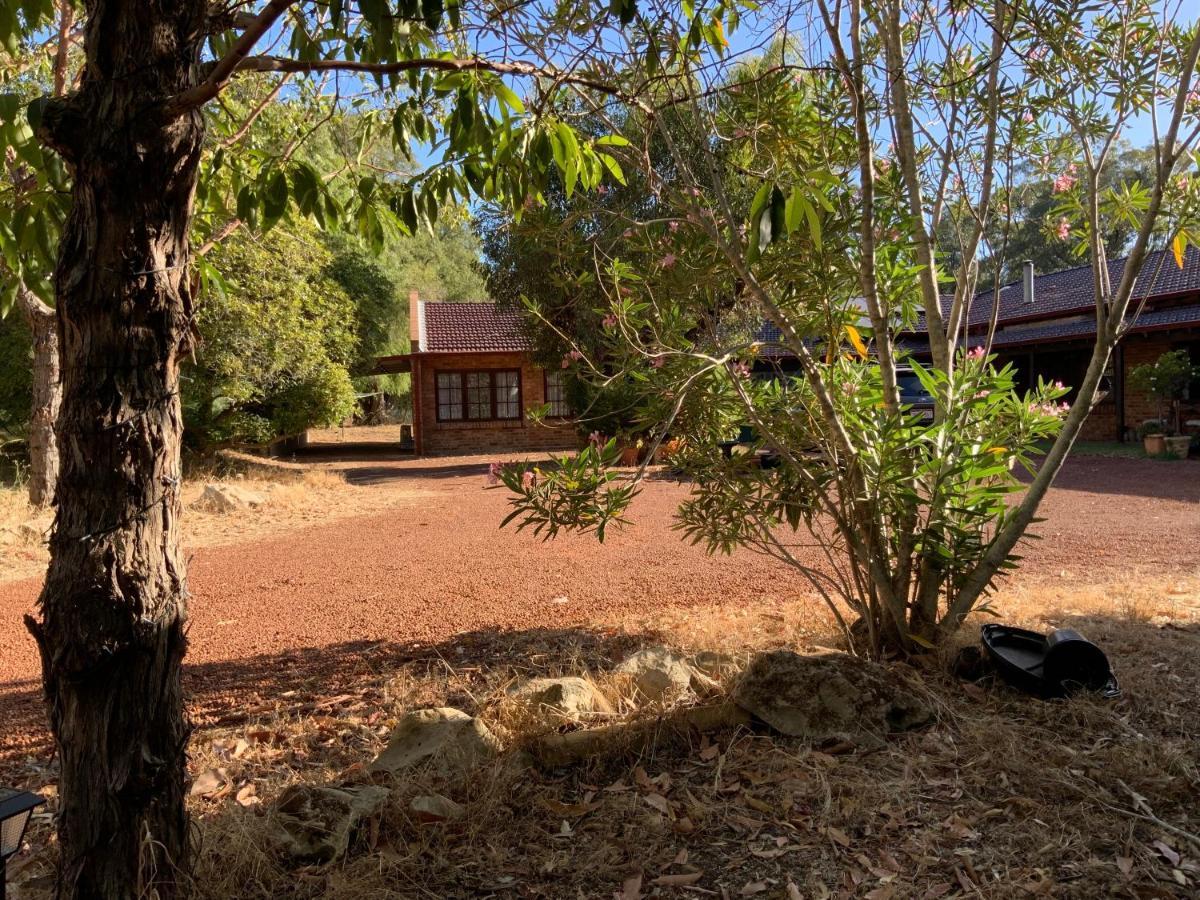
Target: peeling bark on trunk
{"x":47,"y":397}
{"x":113,"y":608}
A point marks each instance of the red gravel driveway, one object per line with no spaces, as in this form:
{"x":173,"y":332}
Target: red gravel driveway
{"x":422,"y":574}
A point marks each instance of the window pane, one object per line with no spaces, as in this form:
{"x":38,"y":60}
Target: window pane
{"x":508,"y":395}
{"x":449,"y":395}
{"x":479,"y":395}
{"x":556,"y":394}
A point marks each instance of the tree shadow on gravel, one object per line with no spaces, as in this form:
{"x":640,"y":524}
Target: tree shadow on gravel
{"x":1151,"y":479}
{"x":312,"y":680}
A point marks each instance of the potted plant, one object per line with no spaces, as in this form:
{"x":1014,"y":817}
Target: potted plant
{"x":631,"y":448}
{"x":1154,"y":440}
{"x":1166,"y":380}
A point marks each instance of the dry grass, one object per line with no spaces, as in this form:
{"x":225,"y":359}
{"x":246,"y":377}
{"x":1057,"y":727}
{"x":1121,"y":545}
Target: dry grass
{"x":1004,"y":796}
{"x":317,"y":497}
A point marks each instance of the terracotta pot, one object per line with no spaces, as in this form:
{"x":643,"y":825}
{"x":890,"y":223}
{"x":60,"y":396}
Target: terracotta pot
{"x":1155,"y":444}
{"x":1178,"y":445}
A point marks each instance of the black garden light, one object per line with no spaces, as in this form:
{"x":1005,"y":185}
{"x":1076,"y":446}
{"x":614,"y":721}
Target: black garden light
{"x":15,"y":809}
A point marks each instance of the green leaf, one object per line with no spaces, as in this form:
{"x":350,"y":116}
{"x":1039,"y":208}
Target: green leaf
{"x":431,"y":12}
{"x":275,"y":199}
{"x":508,"y":97}
{"x":613,"y":167}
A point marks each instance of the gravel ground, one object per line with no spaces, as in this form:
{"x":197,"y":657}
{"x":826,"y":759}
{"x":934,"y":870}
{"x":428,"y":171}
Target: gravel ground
{"x":421,"y":573}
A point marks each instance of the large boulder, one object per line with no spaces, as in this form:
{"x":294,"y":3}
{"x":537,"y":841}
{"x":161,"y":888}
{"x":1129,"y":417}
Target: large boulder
{"x":569,"y":697}
{"x":316,"y":824}
{"x":444,"y":738}
{"x":659,"y":674}
{"x":228,"y":498}
{"x":829,"y":696}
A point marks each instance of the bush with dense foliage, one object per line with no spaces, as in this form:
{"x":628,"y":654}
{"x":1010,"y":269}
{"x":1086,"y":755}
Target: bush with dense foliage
{"x":279,"y":335}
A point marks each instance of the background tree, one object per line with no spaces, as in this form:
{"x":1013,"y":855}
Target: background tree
{"x":279,"y":339}
{"x":1030,"y":231}
{"x":126,"y":148}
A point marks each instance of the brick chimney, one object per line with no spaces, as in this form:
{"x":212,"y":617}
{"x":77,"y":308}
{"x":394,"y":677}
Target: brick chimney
{"x":414,"y":319}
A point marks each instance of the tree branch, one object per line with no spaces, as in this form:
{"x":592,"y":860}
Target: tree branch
{"x":65,"y":21}
{"x":224,"y":69}
{"x":204,"y":92}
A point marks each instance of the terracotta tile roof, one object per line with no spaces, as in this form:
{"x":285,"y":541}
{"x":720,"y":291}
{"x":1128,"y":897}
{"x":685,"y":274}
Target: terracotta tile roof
{"x":1071,"y":290}
{"x":471,"y":328}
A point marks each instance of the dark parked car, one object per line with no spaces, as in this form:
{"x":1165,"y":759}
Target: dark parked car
{"x":913,"y":393}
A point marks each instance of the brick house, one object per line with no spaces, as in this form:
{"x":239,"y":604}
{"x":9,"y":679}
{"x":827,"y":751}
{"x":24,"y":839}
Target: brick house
{"x":474,"y":382}
{"x":1046,"y":325}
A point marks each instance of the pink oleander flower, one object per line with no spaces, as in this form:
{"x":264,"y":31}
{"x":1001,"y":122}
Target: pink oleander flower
{"x":1037,"y":53}
{"x":673,"y":226}
{"x":596,"y":439}
{"x":627,"y":233}
{"x":493,"y":474}
{"x":527,"y":480}
{"x":610,"y":321}
{"x":884,"y":165}
{"x":981,"y":394}
{"x":1063,"y":230}
{"x":740,"y":369}
{"x":695,"y":191}
{"x":975,"y":353}
{"x":658,"y":360}
{"x":667,"y":261}
{"x":1028,"y":117}
{"x":1058,"y":385}
{"x":602,"y":189}
{"x":1065,"y":181}
{"x":573,"y":357}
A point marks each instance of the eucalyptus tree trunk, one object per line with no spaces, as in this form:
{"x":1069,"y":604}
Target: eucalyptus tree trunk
{"x":113,"y":609}
{"x":47,"y":397}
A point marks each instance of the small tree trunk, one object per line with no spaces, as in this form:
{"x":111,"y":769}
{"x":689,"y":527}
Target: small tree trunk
{"x":47,"y":397}
{"x":113,"y":608}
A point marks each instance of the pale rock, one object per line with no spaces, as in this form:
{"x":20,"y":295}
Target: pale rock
{"x":228,"y":498}
{"x":447,"y":739}
{"x":569,"y":697}
{"x":658,"y":673}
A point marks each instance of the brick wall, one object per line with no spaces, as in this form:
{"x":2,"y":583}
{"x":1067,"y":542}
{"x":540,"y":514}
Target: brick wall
{"x":1139,"y":350}
{"x":464,"y":437}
